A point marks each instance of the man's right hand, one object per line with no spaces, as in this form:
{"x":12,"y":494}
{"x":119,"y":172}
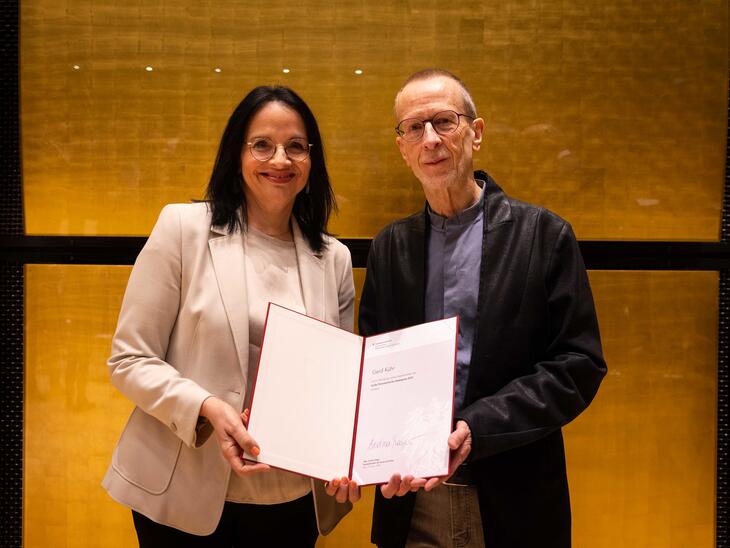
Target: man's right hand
{"x":460,"y":446}
{"x":232,"y":436}
{"x":397,"y":486}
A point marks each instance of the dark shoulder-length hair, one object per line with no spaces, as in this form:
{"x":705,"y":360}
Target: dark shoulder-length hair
{"x":225,"y":193}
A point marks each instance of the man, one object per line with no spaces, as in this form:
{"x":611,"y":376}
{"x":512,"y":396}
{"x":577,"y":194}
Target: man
{"x":529,"y":356}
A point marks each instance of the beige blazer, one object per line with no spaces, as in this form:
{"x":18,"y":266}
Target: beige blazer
{"x":182,"y":336}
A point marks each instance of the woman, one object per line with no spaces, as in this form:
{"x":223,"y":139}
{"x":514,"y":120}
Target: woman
{"x":189,"y":334}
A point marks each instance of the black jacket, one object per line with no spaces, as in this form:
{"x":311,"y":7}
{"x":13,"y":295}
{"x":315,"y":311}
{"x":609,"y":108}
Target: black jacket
{"x":536,"y":363}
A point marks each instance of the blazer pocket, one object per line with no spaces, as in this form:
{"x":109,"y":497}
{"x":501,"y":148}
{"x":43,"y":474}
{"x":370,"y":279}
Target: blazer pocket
{"x":147,"y":453}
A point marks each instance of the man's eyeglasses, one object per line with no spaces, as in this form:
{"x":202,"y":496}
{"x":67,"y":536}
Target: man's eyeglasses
{"x":443,"y":123}
{"x":263,"y":149}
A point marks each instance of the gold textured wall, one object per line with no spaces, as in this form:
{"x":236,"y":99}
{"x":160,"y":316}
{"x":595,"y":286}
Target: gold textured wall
{"x":610,"y":113}
{"x":73,"y":416}
{"x":641,"y":460}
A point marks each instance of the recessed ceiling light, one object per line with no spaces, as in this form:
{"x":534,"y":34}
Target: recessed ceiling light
{"x":216,"y":69}
{"x":285,"y":71}
{"x":76,"y":67}
{"x":358,"y":71}
{"x":149,"y":68}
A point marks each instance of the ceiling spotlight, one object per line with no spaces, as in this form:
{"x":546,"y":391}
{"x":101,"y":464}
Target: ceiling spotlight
{"x":76,"y":67}
{"x":216,"y":69}
{"x":285,"y":71}
{"x":358,"y":71}
{"x":149,"y":68}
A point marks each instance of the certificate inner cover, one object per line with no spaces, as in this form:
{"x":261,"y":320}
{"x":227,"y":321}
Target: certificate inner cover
{"x":328,"y":403}
{"x":305,"y":395}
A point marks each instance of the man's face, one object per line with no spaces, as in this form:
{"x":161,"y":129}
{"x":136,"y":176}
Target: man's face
{"x":438,"y":160}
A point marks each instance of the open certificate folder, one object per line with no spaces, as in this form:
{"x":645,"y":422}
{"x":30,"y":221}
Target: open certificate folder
{"x":329,"y":404}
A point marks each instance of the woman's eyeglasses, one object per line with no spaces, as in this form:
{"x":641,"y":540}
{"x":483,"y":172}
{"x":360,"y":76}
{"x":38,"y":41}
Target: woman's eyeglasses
{"x":264,"y":149}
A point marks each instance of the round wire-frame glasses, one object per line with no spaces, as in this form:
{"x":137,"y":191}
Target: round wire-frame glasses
{"x":264,"y":149}
{"x":443,"y":123}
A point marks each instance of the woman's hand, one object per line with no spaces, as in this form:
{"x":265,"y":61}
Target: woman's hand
{"x":342,"y":489}
{"x":233,"y":438}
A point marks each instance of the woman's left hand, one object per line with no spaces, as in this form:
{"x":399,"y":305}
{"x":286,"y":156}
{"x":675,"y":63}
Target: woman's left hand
{"x":342,"y":489}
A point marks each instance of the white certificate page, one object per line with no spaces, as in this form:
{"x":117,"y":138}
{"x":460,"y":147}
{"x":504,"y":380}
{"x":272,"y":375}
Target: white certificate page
{"x":303,"y":407}
{"x":406,"y":403}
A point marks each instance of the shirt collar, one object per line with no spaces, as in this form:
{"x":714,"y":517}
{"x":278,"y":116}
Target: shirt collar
{"x":465,"y":217}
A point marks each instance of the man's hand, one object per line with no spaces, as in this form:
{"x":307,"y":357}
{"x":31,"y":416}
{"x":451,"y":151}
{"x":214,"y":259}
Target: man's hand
{"x":342,"y":489}
{"x":398,"y":486}
{"x":232,"y":436}
{"x":460,"y":445}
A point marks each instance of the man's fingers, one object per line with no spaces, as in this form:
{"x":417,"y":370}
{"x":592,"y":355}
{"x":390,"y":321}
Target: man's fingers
{"x":457,"y":437}
{"x":432,"y":482}
{"x":453,"y":465}
{"x":463,"y":452}
{"x":418,"y":483}
{"x":400,"y":487}
{"x":405,"y":485}
{"x":460,"y":445}
{"x":389,"y":489}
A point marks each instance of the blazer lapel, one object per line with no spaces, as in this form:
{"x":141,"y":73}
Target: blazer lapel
{"x":226,"y":251}
{"x":311,"y":274}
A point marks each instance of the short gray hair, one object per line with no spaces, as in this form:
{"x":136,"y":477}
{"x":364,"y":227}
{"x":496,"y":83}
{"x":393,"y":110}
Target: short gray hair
{"x":425,"y":74}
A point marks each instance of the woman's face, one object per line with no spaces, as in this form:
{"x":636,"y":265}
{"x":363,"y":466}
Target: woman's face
{"x":273,"y":184}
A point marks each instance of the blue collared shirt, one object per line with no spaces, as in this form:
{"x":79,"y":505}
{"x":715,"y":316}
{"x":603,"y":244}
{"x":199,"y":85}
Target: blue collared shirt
{"x":454,"y":257}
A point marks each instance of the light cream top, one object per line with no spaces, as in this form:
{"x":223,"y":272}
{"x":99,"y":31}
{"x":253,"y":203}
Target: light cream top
{"x":271,"y":275}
